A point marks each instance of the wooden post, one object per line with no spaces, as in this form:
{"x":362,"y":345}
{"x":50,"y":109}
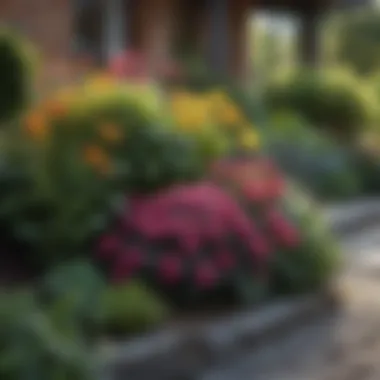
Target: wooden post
{"x":156,"y":26}
{"x":114,"y":28}
{"x":309,"y":43}
{"x":239,"y":56}
{"x":218,"y":36}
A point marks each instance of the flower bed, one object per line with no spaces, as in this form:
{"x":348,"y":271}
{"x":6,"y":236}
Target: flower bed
{"x":129,"y":203}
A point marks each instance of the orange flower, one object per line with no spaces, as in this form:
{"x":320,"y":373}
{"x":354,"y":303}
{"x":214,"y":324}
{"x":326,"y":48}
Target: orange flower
{"x":110,"y":132}
{"x":97,"y":158}
{"x":56,"y":108}
{"x":36,"y":125}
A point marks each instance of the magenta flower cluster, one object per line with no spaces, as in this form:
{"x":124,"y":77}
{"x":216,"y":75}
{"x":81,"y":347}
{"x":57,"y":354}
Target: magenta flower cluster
{"x":201,"y":222}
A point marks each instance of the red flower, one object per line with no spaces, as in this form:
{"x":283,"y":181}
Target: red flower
{"x":225,"y":260}
{"x":130,"y":64}
{"x":128,"y":264}
{"x":255,"y":191}
{"x":275,"y":187}
{"x":206,"y":275}
{"x":170,"y":269}
{"x":283,"y":230}
{"x":108,"y":245}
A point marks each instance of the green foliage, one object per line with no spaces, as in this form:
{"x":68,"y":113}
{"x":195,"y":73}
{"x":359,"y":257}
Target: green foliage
{"x":367,"y":167}
{"x":73,"y":291}
{"x":15,"y":75}
{"x":311,"y":265}
{"x":311,"y":157}
{"x":33,"y":347}
{"x":56,"y":216}
{"x":333,"y":101}
{"x":132,"y":308}
{"x":158,"y":158}
{"x":73,"y":157}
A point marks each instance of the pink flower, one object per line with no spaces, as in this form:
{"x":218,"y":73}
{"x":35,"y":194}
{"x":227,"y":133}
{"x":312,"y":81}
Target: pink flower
{"x":225,"y":260}
{"x":275,"y":187}
{"x":255,"y":191}
{"x":130,"y":64}
{"x":170,"y":269}
{"x":288,"y":236}
{"x":108,"y":245}
{"x":206,"y":275}
{"x":284,"y":231}
{"x":128,"y":264}
{"x":259,"y":247}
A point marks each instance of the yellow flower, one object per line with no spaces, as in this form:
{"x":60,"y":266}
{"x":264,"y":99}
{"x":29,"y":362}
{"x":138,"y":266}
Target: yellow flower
{"x":97,"y":158}
{"x":100,"y":82}
{"x":249,"y":140}
{"x":110,"y":132}
{"x":68,"y":94}
{"x":36,"y":125}
{"x":230,"y":114}
{"x":190,"y":112}
{"x":217,"y":99}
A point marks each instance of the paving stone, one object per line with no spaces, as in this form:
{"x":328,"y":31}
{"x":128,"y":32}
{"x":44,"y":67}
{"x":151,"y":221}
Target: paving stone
{"x":340,"y":346}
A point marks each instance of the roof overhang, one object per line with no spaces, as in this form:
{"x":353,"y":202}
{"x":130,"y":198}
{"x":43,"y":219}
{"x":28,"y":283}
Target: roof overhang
{"x":310,"y":5}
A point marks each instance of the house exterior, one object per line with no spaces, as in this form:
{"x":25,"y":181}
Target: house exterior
{"x":69,"y":33}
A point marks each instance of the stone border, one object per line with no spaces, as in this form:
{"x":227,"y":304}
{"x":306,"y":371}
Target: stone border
{"x":183,"y":352}
{"x":187,"y":352}
{"x":348,"y":217}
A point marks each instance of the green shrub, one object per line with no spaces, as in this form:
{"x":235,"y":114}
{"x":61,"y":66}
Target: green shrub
{"x":336,"y":102}
{"x":71,"y":293}
{"x":311,"y":157}
{"x":54,"y":215}
{"x":312,"y":264}
{"x":15,"y":75}
{"x":33,"y":346}
{"x":76,"y":152}
{"x":132,"y":308}
{"x":367,"y":167}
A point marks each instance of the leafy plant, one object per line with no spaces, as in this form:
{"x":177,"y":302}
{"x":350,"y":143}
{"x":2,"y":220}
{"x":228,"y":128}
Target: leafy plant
{"x":310,"y":265}
{"x":311,"y":157}
{"x":335,"y":102}
{"x":73,"y":293}
{"x":131,"y":308}
{"x":32,"y":347}
{"x":15,"y":74}
{"x":76,"y":152}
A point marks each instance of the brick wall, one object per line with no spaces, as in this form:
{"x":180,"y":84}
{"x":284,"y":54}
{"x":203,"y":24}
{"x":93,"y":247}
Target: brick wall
{"x":49,"y":25}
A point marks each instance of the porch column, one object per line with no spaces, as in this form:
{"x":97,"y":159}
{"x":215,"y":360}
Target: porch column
{"x":218,"y":36}
{"x":239,"y":56}
{"x":156,"y":27}
{"x":309,"y":41}
{"x":114,"y":29}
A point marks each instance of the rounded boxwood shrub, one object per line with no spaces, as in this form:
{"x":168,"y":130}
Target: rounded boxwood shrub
{"x":15,"y":74}
{"x":311,"y":157}
{"x":336,"y":102}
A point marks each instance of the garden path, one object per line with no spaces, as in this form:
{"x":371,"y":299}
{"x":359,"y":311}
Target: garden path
{"x":344,"y":345}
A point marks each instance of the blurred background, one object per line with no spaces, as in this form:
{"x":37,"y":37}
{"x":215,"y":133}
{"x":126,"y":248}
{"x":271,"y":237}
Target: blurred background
{"x":168,"y":160}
